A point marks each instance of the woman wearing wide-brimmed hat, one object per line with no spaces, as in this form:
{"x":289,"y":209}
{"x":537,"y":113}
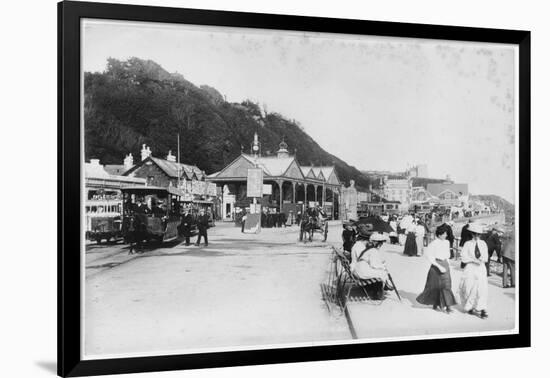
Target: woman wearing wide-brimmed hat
{"x":438,"y":290}
{"x":366,"y":261}
{"x":410,"y":243}
{"x":474,"y":285}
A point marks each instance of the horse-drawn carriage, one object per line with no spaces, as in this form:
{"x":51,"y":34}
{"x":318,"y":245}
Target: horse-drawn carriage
{"x":311,"y":223}
{"x":150,"y":214}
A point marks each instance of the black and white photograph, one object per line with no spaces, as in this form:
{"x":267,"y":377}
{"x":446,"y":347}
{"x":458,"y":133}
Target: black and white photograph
{"x":272,"y":189}
{"x":253,"y":188}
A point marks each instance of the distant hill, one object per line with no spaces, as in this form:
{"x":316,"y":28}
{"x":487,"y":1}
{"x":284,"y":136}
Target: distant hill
{"x":498,"y":202}
{"x":136,"y":101}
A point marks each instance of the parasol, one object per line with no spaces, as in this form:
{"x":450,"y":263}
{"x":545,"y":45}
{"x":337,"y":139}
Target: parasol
{"x":406,"y":221}
{"x":377,"y":224}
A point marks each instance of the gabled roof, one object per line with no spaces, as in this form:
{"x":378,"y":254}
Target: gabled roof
{"x":237,"y":168}
{"x":321,"y":176}
{"x":92,"y":170}
{"x":308,"y":171}
{"x":294,"y":171}
{"x":212,"y":175}
{"x":172,"y":168}
{"x":272,"y":165}
{"x":322,"y":173}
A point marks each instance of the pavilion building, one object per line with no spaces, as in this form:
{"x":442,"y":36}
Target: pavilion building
{"x":287,"y":185}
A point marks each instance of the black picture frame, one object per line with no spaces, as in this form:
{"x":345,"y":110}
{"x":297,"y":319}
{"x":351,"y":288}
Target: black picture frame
{"x":69,"y":191}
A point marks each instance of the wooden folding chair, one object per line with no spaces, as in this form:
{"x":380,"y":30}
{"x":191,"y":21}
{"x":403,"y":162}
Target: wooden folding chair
{"x":346,"y":276}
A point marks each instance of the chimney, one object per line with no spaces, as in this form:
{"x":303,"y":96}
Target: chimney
{"x":128,"y":162}
{"x":170,"y":157}
{"x":94,"y":162}
{"x":145,"y":152}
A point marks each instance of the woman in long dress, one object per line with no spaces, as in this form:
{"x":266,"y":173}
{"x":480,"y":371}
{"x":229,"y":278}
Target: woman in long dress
{"x":420,"y":231}
{"x":474,"y":286}
{"x":410,"y":243}
{"x":393,"y":234}
{"x":438,"y":290}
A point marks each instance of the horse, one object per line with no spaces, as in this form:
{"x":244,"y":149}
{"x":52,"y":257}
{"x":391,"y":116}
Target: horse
{"x":135,"y":231}
{"x":307,"y":225}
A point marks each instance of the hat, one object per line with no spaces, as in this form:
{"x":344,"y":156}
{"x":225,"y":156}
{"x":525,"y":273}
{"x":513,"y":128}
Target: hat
{"x":476,"y":228}
{"x":377,"y":237}
{"x":363,"y":230}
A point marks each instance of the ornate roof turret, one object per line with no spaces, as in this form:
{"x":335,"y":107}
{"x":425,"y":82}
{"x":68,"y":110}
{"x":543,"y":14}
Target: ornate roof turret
{"x":283,"y":150}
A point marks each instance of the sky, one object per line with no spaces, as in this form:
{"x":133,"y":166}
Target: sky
{"x":377,"y":103}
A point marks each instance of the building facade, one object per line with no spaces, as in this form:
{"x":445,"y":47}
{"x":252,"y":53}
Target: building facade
{"x":397,"y":190}
{"x":449,"y":194}
{"x":169,"y":173}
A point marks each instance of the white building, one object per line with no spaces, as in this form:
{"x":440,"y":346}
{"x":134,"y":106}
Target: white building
{"x":397,"y":190}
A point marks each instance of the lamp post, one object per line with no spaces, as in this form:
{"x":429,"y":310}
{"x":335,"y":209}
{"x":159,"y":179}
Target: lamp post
{"x":256,"y":151}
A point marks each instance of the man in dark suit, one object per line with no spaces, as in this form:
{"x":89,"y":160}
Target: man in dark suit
{"x":509,"y":262}
{"x":158,"y":209}
{"x":447,"y":226}
{"x":202,"y":225}
{"x":493,"y":245}
{"x":185,"y":225}
{"x":142,"y":207}
{"x":465,"y":235}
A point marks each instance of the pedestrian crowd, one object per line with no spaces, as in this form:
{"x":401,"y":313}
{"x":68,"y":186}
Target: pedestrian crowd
{"x":475,"y":249}
{"x":273,"y":219}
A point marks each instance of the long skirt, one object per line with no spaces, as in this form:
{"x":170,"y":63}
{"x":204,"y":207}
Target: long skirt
{"x":438,"y":291}
{"x":410,"y":245}
{"x":420,"y":245}
{"x":474,"y":287}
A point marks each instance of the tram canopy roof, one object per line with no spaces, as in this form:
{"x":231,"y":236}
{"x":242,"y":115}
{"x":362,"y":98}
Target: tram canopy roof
{"x":142,"y":189}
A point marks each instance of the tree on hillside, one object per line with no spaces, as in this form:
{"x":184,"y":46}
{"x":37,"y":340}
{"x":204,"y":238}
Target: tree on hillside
{"x":136,"y":101}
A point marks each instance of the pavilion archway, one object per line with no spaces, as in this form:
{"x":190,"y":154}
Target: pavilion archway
{"x":310,"y":193}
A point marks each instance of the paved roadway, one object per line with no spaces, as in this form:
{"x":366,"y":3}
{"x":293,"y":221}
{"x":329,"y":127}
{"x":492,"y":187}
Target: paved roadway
{"x":247,"y":289}
{"x":243,"y":289}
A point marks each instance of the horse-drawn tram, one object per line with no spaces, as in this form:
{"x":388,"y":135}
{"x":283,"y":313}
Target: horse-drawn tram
{"x":103,"y":221}
{"x":150,"y":213}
